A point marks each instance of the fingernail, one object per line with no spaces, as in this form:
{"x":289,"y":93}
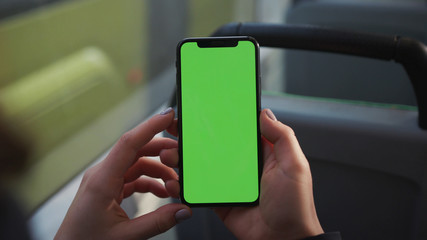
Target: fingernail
{"x":182,"y":215}
{"x":166,"y":111}
{"x":270,"y":114}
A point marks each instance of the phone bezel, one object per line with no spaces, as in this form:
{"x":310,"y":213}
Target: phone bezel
{"x":218,"y":42}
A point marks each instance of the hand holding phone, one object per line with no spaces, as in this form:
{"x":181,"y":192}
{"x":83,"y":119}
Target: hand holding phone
{"x":286,"y":208}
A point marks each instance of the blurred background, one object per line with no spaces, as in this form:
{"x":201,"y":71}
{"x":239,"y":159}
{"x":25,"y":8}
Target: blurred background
{"x":76,"y":74}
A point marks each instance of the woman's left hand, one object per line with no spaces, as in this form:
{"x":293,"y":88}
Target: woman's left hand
{"x":95,"y":212}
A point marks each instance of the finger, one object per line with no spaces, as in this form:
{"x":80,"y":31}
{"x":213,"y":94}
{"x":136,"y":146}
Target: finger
{"x":157,"y":222}
{"x":156,"y":145}
{"x":124,"y":152}
{"x":173,"y":188}
{"x":170,"y":157}
{"x":144,"y":185}
{"x":267,"y":147}
{"x":151,"y":168}
{"x":173,"y":128}
{"x":285,"y":145}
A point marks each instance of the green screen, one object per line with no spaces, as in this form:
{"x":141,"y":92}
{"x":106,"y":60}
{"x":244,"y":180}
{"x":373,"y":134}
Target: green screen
{"x":219,"y":130}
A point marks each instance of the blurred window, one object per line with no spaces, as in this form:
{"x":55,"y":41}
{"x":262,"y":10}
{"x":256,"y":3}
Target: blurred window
{"x":12,"y":7}
{"x":68,"y":70}
{"x":75,"y":75}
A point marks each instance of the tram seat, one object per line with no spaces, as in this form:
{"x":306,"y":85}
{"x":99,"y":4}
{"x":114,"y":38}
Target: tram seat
{"x":348,"y":77}
{"x":368,"y":164}
{"x":369,"y":161}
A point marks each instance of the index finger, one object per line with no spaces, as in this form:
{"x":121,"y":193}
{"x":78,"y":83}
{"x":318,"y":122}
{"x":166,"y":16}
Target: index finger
{"x":124,"y":152}
{"x":173,"y":128}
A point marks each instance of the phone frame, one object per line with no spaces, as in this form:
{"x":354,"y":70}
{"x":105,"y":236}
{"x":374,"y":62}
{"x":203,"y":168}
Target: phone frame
{"x":218,"y":42}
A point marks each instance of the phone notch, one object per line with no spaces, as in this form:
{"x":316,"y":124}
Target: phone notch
{"x":212,"y":43}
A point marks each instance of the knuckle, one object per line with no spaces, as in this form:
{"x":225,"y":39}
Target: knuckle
{"x":87,"y":175}
{"x":286,"y":135}
{"x":90,"y":180}
{"x":126,"y":138}
{"x":162,"y":226}
{"x":288,"y":131}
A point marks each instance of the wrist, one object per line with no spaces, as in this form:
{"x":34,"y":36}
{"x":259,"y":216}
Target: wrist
{"x":301,"y":230}
{"x":292,"y":232}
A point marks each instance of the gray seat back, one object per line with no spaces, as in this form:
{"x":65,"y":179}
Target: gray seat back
{"x":368,"y":163}
{"x":349,"y":77}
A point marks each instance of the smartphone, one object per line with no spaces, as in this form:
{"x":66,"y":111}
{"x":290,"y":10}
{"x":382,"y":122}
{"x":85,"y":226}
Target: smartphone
{"x":218,"y":96}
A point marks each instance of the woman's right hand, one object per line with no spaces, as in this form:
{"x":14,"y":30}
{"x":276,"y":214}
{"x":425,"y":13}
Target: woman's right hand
{"x":286,"y":208}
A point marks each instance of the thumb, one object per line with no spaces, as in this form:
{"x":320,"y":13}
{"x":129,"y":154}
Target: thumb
{"x":286,"y":149}
{"x":158,"y":221}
